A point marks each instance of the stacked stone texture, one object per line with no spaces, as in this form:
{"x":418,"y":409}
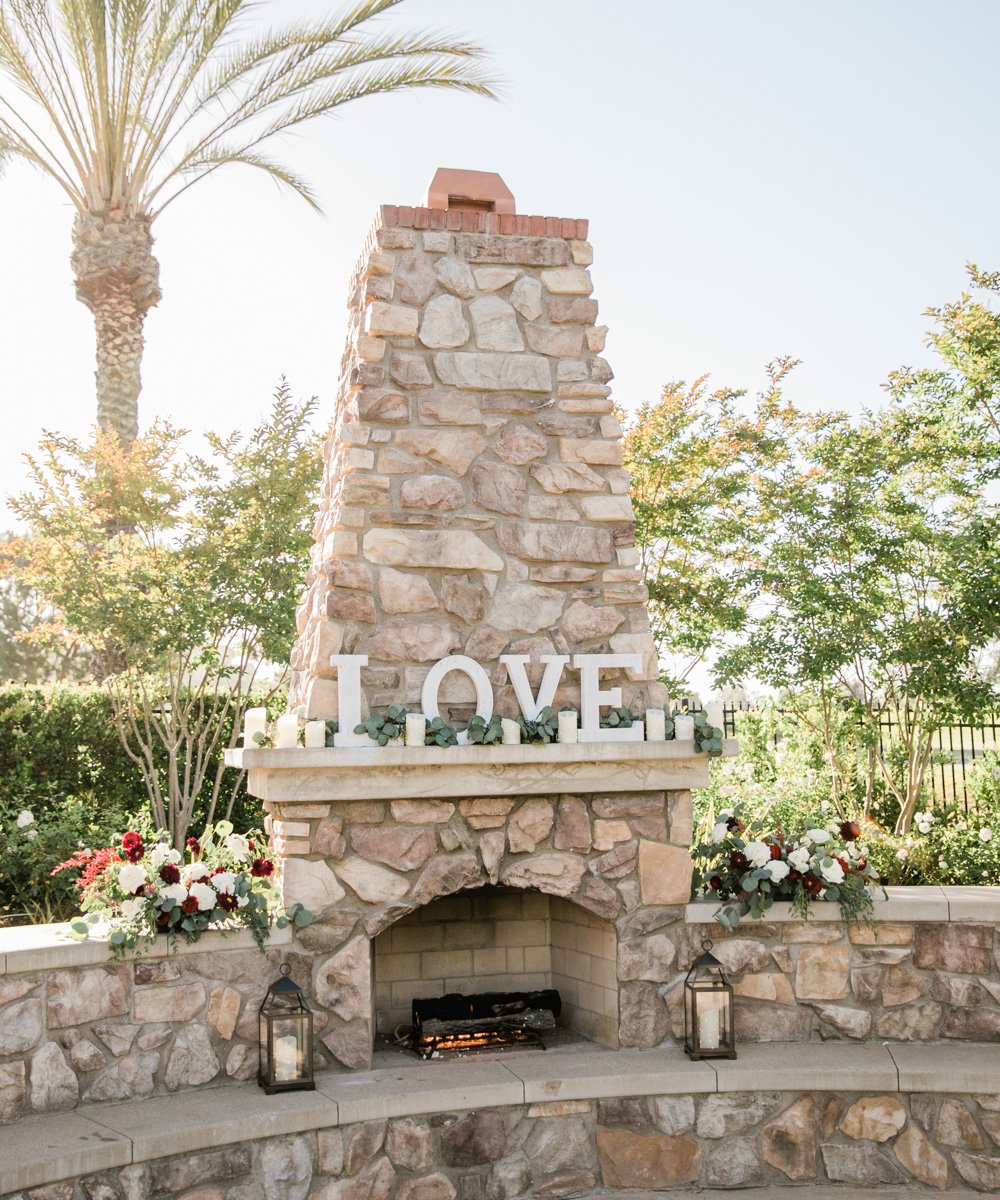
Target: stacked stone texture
{"x":474,"y":498}
{"x":573,"y":1147}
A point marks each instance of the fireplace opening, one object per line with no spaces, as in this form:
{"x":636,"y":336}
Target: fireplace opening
{"x":523,"y":968}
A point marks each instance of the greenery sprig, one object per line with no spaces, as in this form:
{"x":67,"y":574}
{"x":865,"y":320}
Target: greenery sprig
{"x":483,"y":733}
{"x":385,"y":729}
{"x":707,"y":738}
{"x":618,"y":718}
{"x":542,"y":730}
{"x":438,"y":733}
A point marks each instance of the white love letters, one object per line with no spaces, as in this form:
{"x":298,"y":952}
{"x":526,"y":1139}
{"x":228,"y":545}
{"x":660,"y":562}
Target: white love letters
{"x":592,"y":698}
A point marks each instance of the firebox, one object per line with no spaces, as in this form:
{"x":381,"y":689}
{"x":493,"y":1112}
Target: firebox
{"x":515,"y":963}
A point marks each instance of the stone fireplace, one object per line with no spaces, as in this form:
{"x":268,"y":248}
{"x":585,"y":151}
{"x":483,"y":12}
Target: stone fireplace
{"x":475,"y":505}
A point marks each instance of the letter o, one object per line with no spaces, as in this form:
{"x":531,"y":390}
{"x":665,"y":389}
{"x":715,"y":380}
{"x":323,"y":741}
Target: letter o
{"x":480,"y":681}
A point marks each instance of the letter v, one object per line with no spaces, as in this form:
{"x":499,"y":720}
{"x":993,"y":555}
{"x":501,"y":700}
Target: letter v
{"x":531,"y":705}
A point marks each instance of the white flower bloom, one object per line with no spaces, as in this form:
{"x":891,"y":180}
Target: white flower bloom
{"x":25,"y":817}
{"x":825,"y":806}
{"x":832,"y":871}
{"x":799,"y":858}
{"x":162,"y":853}
{"x":242,"y":901}
{"x":779,"y":870}
{"x":719,"y":832}
{"x":132,"y":908}
{"x":757,"y":854}
{"x":985,"y":835}
{"x":224,"y":882}
{"x":31,"y":834}
{"x":238,"y":847}
{"x":193,"y":871}
{"x":943,"y":864}
{"x":205,"y":896}
{"x":131,"y":877}
{"x":818,"y":835}
{"x":176,"y":891}
{"x":924,"y":826}
{"x":903,"y":853}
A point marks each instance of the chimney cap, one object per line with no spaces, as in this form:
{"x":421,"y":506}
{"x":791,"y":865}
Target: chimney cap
{"x":469,"y":191}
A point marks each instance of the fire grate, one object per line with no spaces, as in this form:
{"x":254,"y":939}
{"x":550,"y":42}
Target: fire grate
{"x":484,"y":1021}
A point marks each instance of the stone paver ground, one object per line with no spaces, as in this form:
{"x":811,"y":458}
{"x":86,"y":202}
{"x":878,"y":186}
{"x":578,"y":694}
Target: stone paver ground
{"x":824,"y":1192}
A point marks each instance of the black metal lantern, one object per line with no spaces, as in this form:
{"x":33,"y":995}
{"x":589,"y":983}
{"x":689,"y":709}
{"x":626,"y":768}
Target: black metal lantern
{"x":708,"y":1009}
{"x":286,"y":1038}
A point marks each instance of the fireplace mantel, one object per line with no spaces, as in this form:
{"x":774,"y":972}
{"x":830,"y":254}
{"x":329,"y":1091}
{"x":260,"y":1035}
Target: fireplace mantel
{"x":405,"y":773}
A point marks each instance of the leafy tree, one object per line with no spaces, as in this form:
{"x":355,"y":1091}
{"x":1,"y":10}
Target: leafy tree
{"x":704,"y":477}
{"x":21,"y":611}
{"x":127,"y":103}
{"x":876,"y":587}
{"x":182,"y":573}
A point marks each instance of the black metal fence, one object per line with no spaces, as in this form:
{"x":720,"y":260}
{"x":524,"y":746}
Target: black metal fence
{"x":956,"y":748}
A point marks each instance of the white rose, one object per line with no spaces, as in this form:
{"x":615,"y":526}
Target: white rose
{"x":924,"y":826}
{"x":205,"y":896}
{"x":779,"y":870}
{"x":193,"y":871}
{"x":132,"y":908}
{"x":818,"y":835}
{"x":176,"y":891}
{"x":242,"y":901}
{"x":832,"y":871}
{"x":799,"y":858}
{"x":238,"y":847}
{"x":25,"y":817}
{"x":162,"y":853}
{"x":131,"y":877}
{"x":224,"y":882}
{"x":719,"y":832}
{"x":758,"y":855}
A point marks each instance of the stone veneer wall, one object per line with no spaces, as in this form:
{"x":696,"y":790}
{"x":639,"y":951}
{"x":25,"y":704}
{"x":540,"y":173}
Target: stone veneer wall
{"x":501,"y":940}
{"x":566,"y":1147}
{"x":474,"y":499}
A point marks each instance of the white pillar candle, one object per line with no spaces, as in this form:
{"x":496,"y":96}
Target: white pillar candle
{"x":315,"y":735}
{"x":285,"y":1057}
{"x":287,"y":736}
{"x":709,"y":1028}
{"x":684,"y":728}
{"x":656,"y":725}
{"x":568,"y":723}
{"x":714,"y":714}
{"x":416,"y":729}
{"x":511,"y":732}
{"x":254,"y":721}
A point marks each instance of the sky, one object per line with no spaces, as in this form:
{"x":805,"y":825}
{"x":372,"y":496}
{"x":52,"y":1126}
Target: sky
{"x":762,"y":178}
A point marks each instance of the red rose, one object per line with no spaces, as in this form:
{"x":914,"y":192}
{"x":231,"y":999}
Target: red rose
{"x":250,"y":844}
{"x":775,"y":852}
{"x":218,"y":871}
{"x":190,"y":905}
{"x":850,"y":831}
{"x":715,"y":883}
{"x":132,"y":845}
{"x":226,"y":902}
{"x":794,"y":876}
{"x":845,"y":864}
{"x":169,"y":873}
{"x":163,"y":920}
{"x":261,"y":868}
{"x":194,"y":846}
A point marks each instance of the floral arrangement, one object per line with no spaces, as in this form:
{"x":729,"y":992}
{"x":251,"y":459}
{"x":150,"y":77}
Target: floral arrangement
{"x":751,"y":869}
{"x":142,"y":888}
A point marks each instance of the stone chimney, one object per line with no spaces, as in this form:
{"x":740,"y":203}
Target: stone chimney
{"x":474,"y":500}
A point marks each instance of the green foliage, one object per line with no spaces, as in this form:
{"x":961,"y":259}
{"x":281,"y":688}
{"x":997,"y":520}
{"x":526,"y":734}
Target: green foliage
{"x":542,"y":730}
{"x":182,"y":574}
{"x":387,"y":728}
{"x":617,"y":718}
{"x":482,"y":733}
{"x":707,"y":738}
{"x":438,"y":733}
{"x":125,"y":105}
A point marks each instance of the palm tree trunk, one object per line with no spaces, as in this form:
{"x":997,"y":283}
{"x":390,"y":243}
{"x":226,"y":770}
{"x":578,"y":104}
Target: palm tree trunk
{"x":118,"y":279}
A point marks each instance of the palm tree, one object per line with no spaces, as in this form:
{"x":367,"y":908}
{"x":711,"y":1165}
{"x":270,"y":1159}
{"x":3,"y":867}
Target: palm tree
{"x":127,"y":103}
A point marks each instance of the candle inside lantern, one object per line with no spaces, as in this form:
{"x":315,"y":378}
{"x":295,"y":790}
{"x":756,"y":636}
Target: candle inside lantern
{"x":569,"y":722}
{"x":315,"y":735}
{"x":254,"y":721}
{"x":285,"y":1058}
{"x":287,"y":733}
{"x":416,"y":729}
{"x":656,"y":725}
{"x":709,"y":1022}
{"x":714,"y":714}
{"x":684,"y":727}
{"x":511,"y":732}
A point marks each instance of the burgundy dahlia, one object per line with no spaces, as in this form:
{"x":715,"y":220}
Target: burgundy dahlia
{"x":169,"y":873}
{"x":226,"y":902}
{"x":132,"y":845}
{"x":813,"y":885}
{"x":715,"y":883}
{"x":261,"y":868}
{"x":850,"y":831}
{"x":738,"y":860}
